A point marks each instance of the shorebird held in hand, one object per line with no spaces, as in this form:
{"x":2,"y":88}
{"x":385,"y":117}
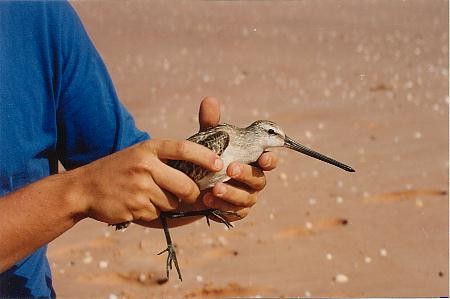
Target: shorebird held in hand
{"x":232,"y":144}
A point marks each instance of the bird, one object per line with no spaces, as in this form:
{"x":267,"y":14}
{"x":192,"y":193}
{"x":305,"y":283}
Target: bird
{"x":231,"y":144}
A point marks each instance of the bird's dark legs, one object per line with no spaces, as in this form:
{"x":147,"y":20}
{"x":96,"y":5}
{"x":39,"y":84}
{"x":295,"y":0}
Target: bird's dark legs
{"x":215,"y":214}
{"x":171,"y":255}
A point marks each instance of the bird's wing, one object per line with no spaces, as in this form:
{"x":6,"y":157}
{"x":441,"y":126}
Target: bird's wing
{"x":215,"y":139}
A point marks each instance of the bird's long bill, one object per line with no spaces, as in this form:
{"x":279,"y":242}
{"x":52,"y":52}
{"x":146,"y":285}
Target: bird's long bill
{"x":292,"y":144}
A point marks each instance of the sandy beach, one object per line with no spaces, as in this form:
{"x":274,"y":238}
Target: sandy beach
{"x":365,"y":82}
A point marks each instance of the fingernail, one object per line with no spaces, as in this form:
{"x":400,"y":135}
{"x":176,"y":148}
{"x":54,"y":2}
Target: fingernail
{"x":220,"y":189}
{"x":235,"y":171}
{"x":208,"y":200}
{"x":218,"y":164}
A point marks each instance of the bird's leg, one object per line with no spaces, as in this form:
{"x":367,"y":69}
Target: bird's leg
{"x":218,"y":215}
{"x":171,"y":255}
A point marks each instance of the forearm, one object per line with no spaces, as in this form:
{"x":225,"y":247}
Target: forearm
{"x":35,"y":215}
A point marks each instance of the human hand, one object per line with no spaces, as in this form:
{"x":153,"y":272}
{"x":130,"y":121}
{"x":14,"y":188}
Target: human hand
{"x":136,"y":184}
{"x":241,"y":192}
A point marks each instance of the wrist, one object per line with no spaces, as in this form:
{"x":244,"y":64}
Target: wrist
{"x":73,"y":194}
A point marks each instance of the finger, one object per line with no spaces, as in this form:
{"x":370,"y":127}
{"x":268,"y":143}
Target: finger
{"x":212,"y":202}
{"x":249,"y":175}
{"x":188,"y":151}
{"x":268,"y":161}
{"x":172,"y":181}
{"x":148,"y":213}
{"x":235,"y":195}
{"x":162,"y":199}
{"x":209,"y":113}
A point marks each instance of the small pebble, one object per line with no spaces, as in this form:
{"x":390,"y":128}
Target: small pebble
{"x":435,"y":107}
{"x":271,"y":216}
{"x":329,"y":256}
{"x":199,"y":278}
{"x":208,"y":241}
{"x":339,"y":199}
{"x":307,"y":294}
{"x":308,"y":225}
{"x":113,"y":296}
{"x":142,"y":277}
{"x":312,"y":201}
{"x":419,"y":203}
{"x":103,"y":264}
{"x":308,"y":134}
{"x":87,"y":259}
{"x":107,"y":234}
{"x":283,"y":176}
{"x":383,"y":252}
{"x":367,"y":259}
{"x":222,"y":240}
{"x":341,"y":278}
{"x":417,"y":135}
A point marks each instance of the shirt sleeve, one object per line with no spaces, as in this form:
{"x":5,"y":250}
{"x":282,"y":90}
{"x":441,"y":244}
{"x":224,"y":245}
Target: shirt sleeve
{"x":91,"y":121}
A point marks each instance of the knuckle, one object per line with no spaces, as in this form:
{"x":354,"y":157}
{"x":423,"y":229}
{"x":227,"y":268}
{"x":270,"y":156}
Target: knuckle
{"x":137,"y":170}
{"x":187,"y":191}
{"x":147,"y":145}
{"x":260,"y":183}
{"x":142,"y":202}
{"x":137,"y":202}
{"x":142,"y":184}
{"x":252,"y":199}
{"x":180,"y":147}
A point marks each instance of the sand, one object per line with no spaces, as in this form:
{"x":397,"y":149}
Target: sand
{"x":363,"y":81}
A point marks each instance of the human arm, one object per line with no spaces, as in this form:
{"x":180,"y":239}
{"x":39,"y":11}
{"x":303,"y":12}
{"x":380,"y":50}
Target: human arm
{"x":129,"y":185}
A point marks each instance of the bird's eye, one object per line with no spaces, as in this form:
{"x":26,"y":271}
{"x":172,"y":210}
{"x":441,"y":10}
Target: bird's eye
{"x":271,"y":132}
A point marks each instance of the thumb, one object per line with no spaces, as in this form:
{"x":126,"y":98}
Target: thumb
{"x":209,"y":113}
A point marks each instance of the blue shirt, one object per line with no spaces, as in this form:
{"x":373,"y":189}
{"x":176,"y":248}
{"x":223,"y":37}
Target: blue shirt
{"x":57,"y":102}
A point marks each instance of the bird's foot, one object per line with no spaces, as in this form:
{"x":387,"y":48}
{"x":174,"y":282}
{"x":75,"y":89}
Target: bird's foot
{"x":220,"y":216}
{"x":171,"y":258}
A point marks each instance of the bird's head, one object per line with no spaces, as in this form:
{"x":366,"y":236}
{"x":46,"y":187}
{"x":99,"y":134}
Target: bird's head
{"x":271,"y":135}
